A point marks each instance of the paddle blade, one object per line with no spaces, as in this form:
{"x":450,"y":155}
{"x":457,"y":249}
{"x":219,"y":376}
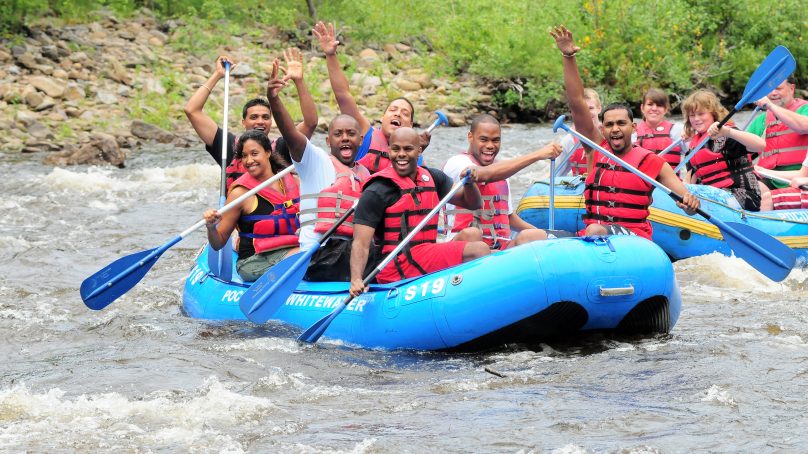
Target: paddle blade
{"x":220,"y":262}
{"x":316,"y":330}
{"x":442,"y":119}
{"x":260,"y":302}
{"x":107,"y":285}
{"x":771,"y":73}
{"x":774,"y":259}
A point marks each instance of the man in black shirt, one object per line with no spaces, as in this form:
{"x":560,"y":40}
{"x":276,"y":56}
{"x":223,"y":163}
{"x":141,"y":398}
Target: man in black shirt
{"x":394,"y":201}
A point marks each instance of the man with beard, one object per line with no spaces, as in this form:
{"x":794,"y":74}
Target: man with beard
{"x":393,"y":202}
{"x":785,"y":129}
{"x":496,"y":218}
{"x":329,"y":184}
{"x":616,"y":200}
{"x":255,"y":114}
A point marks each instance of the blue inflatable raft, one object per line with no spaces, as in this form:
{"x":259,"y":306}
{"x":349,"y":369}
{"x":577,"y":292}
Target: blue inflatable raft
{"x":530,"y":293}
{"x":680,"y":235}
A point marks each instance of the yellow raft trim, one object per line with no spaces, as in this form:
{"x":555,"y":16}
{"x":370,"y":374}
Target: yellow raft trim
{"x":659,"y":216}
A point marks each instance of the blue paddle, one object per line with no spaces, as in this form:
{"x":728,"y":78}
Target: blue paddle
{"x":318,"y":328}
{"x":105,"y":286}
{"x":220,"y":262}
{"x":282,"y":279}
{"x":767,"y":255}
{"x":771,"y":73}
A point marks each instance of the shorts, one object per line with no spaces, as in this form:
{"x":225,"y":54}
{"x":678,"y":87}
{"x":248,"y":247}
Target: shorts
{"x":430,"y":256}
{"x":254,"y":266}
{"x":790,"y":199}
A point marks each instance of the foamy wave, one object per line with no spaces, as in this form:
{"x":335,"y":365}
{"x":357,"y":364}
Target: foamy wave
{"x":362,"y":447}
{"x":718,"y":395}
{"x":717,"y":270}
{"x":570,"y":449}
{"x":261,"y":344}
{"x":163,"y":419}
{"x":98,"y":179}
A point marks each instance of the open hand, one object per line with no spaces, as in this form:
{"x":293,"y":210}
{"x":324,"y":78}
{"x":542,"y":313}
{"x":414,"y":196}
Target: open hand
{"x":294,"y":64}
{"x":328,"y":39}
{"x":275,"y":84}
{"x":563,"y":39}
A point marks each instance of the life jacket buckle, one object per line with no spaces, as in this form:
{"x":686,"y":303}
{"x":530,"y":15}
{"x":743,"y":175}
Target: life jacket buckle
{"x":288,"y":203}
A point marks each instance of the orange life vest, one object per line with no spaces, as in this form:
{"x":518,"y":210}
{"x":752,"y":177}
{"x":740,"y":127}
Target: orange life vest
{"x":335,"y":200}
{"x":378,"y":157}
{"x":273,"y":223}
{"x":658,"y":139}
{"x":784,"y":147}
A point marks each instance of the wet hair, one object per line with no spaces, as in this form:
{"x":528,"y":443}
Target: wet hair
{"x":617,"y":106}
{"x":658,"y":97}
{"x":591,"y":95}
{"x":480,"y":119}
{"x":412,"y":108}
{"x":254,"y":102}
{"x":276,"y":162}
{"x":701,"y":100}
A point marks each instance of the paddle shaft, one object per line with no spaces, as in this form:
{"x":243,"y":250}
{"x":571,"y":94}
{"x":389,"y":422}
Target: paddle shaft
{"x":551,"y":217}
{"x":315,"y":331}
{"x":304,"y":258}
{"x":780,"y":179}
{"x":670,"y":147}
{"x":156,"y":253}
{"x":723,"y":226}
{"x":223,"y":186}
{"x":440,"y":121}
{"x":751,"y":118}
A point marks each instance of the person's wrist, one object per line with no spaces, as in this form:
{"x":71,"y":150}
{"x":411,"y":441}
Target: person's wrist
{"x":568,"y":55}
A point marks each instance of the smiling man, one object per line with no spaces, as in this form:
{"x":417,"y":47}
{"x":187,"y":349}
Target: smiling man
{"x":255,"y":115}
{"x":329,"y":183}
{"x":496,"y":218}
{"x":393,"y":202}
{"x":616,"y":200}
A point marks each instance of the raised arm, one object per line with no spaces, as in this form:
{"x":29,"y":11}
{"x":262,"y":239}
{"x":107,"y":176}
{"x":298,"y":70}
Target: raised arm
{"x":339,"y":83}
{"x":294,"y":71}
{"x":574,"y":85}
{"x":204,"y":126}
{"x":505,"y":169}
{"x":295,"y":140}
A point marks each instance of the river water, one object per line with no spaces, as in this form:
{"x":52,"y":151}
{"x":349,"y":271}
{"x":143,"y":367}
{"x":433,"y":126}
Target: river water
{"x":141,"y":377}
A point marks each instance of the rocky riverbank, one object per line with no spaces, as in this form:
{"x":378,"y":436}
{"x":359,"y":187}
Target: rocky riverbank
{"x":87,"y":93}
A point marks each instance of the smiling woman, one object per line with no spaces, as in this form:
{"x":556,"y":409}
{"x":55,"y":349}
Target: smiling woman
{"x":267,"y":221}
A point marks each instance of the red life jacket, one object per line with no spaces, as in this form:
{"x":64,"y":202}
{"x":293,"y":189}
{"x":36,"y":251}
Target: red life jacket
{"x":418,"y":198}
{"x":658,"y":139}
{"x":273,"y":223}
{"x":614,"y":195}
{"x":714,"y":168}
{"x":578,"y":158}
{"x":784,"y":147}
{"x":236,"y":167}
{"x":378,"y":157}
{"x":335,"y":200}
{"x":492,"y":218}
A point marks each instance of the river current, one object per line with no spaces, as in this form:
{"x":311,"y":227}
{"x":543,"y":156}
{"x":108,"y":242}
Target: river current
{"x":139,"y":376}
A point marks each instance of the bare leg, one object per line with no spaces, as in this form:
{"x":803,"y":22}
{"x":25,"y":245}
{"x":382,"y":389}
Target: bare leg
{"x":469,"y":234}
{"x":475,"y":250}
{"x":766,"y":203}
{"x":528,"y":235}
{"x":595,"y":230}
